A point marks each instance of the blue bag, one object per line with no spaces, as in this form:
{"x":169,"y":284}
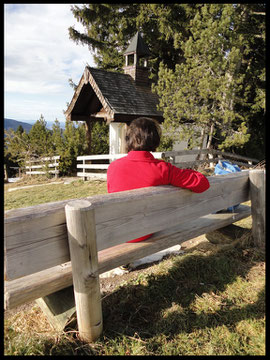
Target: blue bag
{"x":223,"y":168}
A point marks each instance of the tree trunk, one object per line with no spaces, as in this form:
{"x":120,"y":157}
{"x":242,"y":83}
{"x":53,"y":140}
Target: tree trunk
{"x":88,"y":127}
{"x":201,"y":144}
{"x":209,"y":142}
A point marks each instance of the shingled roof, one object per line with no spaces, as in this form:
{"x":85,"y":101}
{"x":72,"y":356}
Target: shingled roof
{"x":138,"y":46}
{"x":112,"y":96}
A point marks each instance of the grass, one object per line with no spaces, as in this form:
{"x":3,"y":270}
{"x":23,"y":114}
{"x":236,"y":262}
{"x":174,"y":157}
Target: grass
{"x":44,"y":193}
{"x":208,"y":301}
{"x":200,"y":303}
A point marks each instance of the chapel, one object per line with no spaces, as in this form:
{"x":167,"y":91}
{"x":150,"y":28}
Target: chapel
{"x":116,"y":98}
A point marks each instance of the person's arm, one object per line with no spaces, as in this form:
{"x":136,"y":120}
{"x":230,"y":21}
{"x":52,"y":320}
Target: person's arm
{"x":188,"y":179}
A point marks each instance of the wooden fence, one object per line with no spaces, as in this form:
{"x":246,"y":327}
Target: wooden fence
{"x":100,"y":163}
{"x":44,"y":165}
{"x":207,"y":156}
{"x":97,"y":163}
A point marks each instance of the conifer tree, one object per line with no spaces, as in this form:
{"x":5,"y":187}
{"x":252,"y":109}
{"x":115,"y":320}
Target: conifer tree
{"x":109,"y":28}
{"x":211,"y":89}
{"x":74,"y":144}
{"x":57,"y":138}
{"x":100,"y":138}
{"x":17,"y":147}
{"x":209,"y":58}
{"x":40,"y":139}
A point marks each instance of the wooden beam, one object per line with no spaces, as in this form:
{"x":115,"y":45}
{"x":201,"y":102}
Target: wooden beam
{"x":101,"y":114}
{"x":48,"y":281}
{"x":88,"y":127}
{"x":36,"y":237}
{"x":92,"y":166}
{"x":83,"y":252}
{"x":208,"y":151}
{"x":59,"y":308}
{"x":257,"y":194}
{"x":167,"y":207}
{"x":241,"y":157}
{"x":77,"y":117}
{"x":187,"y":152}
{"x":75,"y":97}
{"x":127,"y":118}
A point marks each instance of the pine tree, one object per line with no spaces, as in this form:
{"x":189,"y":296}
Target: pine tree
{"x":40,"y":139}
{"x":17,"y":147}
{"x":100,"y":138}
{"x":74,"y":144}
{"x":109,"y":28}
{"x":209,"y":59}
{"x":211,"y":89}
{"x":57,"y":138}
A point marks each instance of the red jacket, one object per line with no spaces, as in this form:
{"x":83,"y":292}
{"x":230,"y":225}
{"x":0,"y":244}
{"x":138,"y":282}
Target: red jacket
{"x":140,"y":169}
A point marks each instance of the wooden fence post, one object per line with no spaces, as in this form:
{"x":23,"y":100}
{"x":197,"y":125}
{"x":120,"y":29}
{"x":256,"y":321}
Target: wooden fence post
{"x":257,"y":196}
{"x":80,"y":218}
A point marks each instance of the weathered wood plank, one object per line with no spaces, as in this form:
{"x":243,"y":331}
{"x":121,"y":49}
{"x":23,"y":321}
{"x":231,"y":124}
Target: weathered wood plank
{"x":111,"y":156}
{"x":187,"y":152}
{"x":41,"y":166}
{"x":48,"y":281}
{"x":164,"y":210}
{"x":83,"y":251}
{"x":186,"y":164}
{"x":100,"y":157}
{"x":42,"y":172}
{"x":43,"y":159}
{"x":59,"y":308}
{"x":93,"y":166}
{"x":258,"y":198}
{"x":36,"y":237}
{"x":241,"y":157}
{"x":208,"y":151}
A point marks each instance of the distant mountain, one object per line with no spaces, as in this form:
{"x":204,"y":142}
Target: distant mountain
{"x":49,"y":124}
{"x":14,"y":124}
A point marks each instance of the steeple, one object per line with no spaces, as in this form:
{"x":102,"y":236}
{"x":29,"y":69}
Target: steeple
{"x":136,"y":60}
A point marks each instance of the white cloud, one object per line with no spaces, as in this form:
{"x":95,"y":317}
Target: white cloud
{"x":39,"y":57}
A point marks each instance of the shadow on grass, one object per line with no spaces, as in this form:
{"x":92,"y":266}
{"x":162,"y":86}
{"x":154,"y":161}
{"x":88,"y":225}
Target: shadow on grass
{"x":163,"y":302}
{"x":142,"y":307}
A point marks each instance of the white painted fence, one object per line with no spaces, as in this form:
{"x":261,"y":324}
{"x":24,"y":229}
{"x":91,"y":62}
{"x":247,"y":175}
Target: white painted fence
{"x":43,"y":164}
{"x":92,"y":162}
{"x":87,"y":164}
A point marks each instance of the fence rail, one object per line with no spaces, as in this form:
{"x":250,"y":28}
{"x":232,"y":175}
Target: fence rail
{"x":43,"y":164}
{"x":207,"y":156}
{"x":87,"y":164}
{"x":210,"y":156}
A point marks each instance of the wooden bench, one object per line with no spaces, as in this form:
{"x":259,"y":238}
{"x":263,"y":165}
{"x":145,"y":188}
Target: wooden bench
{"x":50,"y":247}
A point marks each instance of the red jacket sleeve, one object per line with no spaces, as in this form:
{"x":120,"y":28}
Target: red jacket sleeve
{"x":188,"y":179}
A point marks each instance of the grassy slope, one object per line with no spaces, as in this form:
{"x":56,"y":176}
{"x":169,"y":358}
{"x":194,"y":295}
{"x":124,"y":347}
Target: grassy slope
{"x":48,"y":193}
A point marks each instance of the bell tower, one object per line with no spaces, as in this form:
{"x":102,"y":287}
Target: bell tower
{"x":136,"y":56}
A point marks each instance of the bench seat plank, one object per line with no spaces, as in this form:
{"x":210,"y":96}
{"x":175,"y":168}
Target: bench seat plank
{"x":48,"y":281}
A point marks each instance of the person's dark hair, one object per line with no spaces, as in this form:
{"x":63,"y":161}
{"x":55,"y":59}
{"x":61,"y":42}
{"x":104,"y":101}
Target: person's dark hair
{"x":143,"y":134}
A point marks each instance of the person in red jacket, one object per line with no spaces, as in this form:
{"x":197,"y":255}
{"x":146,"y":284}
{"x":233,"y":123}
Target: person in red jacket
{"x":140,"y":169}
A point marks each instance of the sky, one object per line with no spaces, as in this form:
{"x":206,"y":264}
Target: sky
{"x":39,"y":58}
